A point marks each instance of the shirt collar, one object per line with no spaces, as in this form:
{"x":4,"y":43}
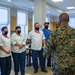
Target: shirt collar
{"x":5,"y":36}
{"x":37,"y":31}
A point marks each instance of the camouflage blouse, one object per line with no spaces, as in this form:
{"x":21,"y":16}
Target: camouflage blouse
{"x":62,"y":41}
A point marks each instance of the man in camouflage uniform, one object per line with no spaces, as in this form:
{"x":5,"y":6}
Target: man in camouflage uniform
{"x":62,"y":41}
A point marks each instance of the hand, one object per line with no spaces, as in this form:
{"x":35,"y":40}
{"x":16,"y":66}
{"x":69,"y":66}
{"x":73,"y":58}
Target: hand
{"x":44,"y":46}
{"x":8,"y":52}
{"x":20,"y":46}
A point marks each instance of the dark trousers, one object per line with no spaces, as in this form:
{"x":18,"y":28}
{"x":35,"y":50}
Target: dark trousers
{"x":19,"y":60}
{"x":36,"y":53}
{"x":49,"y":61}
{"x":5,"y":64}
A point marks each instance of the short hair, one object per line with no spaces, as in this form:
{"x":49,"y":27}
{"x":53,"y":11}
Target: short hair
{"x":3,"y":28}
{"x":36,"y":23}
{"x":17,"y":27}
{"x":64,"y":17}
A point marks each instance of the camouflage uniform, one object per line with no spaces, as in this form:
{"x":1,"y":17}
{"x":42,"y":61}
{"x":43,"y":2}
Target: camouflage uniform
{"x":62,"y":41}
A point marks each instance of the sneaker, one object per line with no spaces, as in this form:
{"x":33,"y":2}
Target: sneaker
{"x":35,"y":71}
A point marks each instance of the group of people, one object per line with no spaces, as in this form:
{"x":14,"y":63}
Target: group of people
{"x":15,"y":46}
{"x":43,"y":42}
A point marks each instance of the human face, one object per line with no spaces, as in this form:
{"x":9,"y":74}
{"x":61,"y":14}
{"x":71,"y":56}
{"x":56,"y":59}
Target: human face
{"x":5,"y":32}
{"x":46,"y":26}
{"x":37,"y":26}
{"x":18,"y":30}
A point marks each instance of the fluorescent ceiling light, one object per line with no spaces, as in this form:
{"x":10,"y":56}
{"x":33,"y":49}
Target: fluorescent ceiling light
{"x":32,"y":7}
{"x":48,"y":11}
{"x":57,"y":0}
{"x":70,"y":7}
{"x":8,"y":0}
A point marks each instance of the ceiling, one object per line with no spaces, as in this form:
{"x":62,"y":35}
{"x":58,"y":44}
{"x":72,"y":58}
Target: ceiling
{"x":61,"y":6}
{"x":52,"y":8}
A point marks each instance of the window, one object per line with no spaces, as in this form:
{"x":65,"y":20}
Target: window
{"x":48,"y":20}
{"x":22,"y":21}
{"x":72,"y":22}
{"x":21,"y":18}
{"x":5,"y":18}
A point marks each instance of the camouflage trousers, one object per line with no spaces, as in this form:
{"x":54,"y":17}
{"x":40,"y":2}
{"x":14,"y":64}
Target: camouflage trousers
{"x":59,"y":71}
{"x":66,"y":71}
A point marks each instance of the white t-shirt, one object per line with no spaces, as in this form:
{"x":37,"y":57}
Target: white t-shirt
{"x":6,"y":43}
{"x":18,"y":39}
{"x":36,"y":39}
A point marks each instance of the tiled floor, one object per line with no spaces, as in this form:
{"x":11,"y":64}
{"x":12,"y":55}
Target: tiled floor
{"x":30,"y":71}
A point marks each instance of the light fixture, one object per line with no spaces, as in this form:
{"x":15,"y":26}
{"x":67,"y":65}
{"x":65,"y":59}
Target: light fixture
{"x":57,"y":0}
{"x":70,"y":7}
{"x":48,"y":12}
{"x":8,"y":0}
{"x":32,"y":7}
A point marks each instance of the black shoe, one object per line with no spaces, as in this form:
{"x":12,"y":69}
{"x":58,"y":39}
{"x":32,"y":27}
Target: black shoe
{"x":49,"y":65}
{"x":16,"y":74}
{"x":23,"y":74}
{"x":35,"y":71}
{"x":44,"y":71}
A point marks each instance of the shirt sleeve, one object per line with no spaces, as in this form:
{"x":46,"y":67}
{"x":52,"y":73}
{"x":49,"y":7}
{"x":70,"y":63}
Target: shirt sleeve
{"x":49,"y":46}
{"x":13,"y":41}
{"x":29,"y":35}
{"x":44,"y":37}
{"x":24,"y":40}
{"x":1,"y":43}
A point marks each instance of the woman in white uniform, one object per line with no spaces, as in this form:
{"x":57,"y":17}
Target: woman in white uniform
{"x":18,"y":50}
{"x":5,"y":52}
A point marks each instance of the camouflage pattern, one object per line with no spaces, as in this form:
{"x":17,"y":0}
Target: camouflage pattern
{"x":62,"y":43}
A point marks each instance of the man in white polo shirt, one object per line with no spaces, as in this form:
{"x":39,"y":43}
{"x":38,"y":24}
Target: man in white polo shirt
{"x":37,"y":39}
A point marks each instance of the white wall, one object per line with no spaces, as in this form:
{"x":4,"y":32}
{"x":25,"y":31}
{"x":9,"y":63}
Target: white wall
{"x":13,"y":12}
{"x":54,"y":18}
{"x":30,"y":15}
